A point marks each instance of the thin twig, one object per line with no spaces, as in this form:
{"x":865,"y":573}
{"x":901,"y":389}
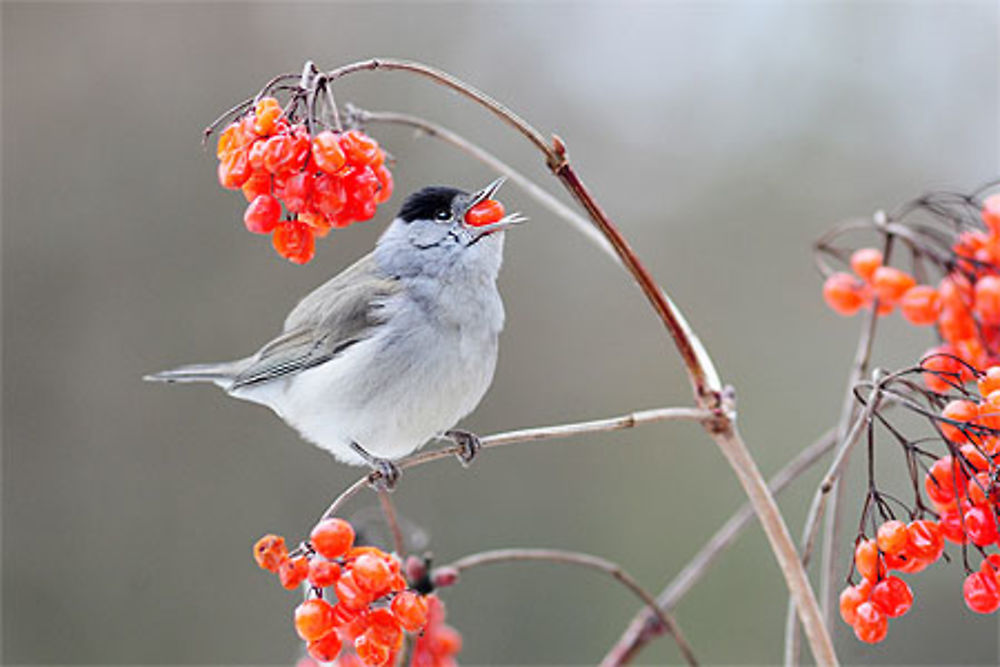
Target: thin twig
{"x":532,"y":189}
{"x":527,"y":435}
{"x":585,"y":560}
{"x":392,"y":521}
{"x":644,"y":627}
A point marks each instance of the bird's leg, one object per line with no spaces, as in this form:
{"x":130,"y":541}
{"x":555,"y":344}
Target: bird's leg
{"x":387,"y":471}
{"x":468,"y":441}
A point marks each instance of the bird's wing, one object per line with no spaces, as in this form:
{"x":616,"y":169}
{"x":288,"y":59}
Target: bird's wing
{"x":338,"y":314}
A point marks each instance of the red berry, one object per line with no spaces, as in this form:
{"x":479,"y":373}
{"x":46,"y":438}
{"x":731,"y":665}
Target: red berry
{"x":313,"y":619}
{"x":411,"y":610}
{"x":371,"y":573}
{"x":850,"y":598}
{"x":921,"y":305}
{"x":484,"y":213}
{"x":385,"y":183}
{"x":258,"y":184}
{"x":989,"y":381}
{"x":952,"y":526}
{"x":266,"y":114}
{"x":926,"y":541}
{"x":892,"y":536}
{"x":327,"y":153}
{"x":332,"y":538}
{"x":371,"y":652}
{"x":262,"y":214}
{"x":385,"y":628}
{"x":294,"y":241}
{"x":843,"y":293}
{"x":360,"y":149}
{"x":942,"y":368}
{"x":325,"y":649}
{"x":871,"y":624}
{"x":959,"y":411}
{"x":864,"y":261}
{"x":892,"y":596}
{"x":987,"y":299}
{"x":234,"y":169}
{"x":891,"y":284}
{"x":943,"y":480}
{"x":269,"y":552}
{"x":981,"y":526}
{"x":297,"y":192}
{"x":350,"y":594}
{"x":868,"y":561}
{"x":323,"y":573}
{"x":293,"y":572}
{"x":329,"y":195}
{"x":981,"y":593}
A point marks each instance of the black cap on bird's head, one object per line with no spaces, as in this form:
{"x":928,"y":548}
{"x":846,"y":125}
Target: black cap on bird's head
{"x":448,"y":205}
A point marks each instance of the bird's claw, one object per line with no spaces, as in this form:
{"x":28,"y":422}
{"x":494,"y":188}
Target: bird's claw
{"x":469,"y":442}
{"x":385,"y":474}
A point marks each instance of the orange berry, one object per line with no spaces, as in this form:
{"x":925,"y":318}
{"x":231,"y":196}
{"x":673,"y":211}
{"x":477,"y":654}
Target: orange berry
{"x":293,"y":571}
{"x":941,"y":480}
{"x":385,"y":627}
{"x":943,"y":368}
{"x":850,"y":598}
{"x":892,"y":596}
{"x":234,"y":169}
{"x":891,"y":284}
{"x":262,"y":214}
{"x":314,"y":619}
{"x":294,"y":241}
{"x":981,"y":525}
{"x":411,"y":610}
{"x":871,"y":624}
{"x":360,"y":149}
{"x":892,"y":536}
{"x":987,"y":299}
{"x":329,"y":194}
{"x":980,"y":488}
{"x":372,"y":652}
{"x":269,"y":552}
{"x":266,"y":114}
{"x":385,"y":184}
{"x":952,"y":526}
{"x":974,"y":458}
{"x":955,"y":291}
{"x":332,"y":538}
{"x":864,"y":261}
{"x":371,"y":573}
{"x":989,"y":381}
{"x":327,"y":153}
{"x":921,"y":305}
{"x":484,"y":213}
{"x":325,"y":649}
{"x":843,"y":293}
{"x":926,"y":541}
{"x":258,"y":184}
{"x":350,"y":594}
{"x":981,"y":592}
{"x":959,"y":411}
{"x":323,"y":573}
{"x":867,"y":560}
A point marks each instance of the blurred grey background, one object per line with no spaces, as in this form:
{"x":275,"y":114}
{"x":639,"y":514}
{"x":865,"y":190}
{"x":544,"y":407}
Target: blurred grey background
{"x":722,"y":137}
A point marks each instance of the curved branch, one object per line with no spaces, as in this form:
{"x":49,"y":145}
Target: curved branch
{"x":585,"y":560}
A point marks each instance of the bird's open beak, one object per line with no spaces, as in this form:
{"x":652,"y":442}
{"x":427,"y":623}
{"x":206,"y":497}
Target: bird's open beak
{"x":503,"y":223}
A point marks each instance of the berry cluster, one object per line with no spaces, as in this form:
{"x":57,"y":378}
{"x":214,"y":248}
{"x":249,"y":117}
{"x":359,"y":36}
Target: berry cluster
{"x":373,"y":606}
{"x":964,"y":490}
{"x":323,"y":181}
{"x":965,"y":304}
{"x":439,"y":643}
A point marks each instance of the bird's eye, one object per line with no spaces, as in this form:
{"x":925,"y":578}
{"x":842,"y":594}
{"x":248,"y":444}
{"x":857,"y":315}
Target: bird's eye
{"x":443,"y":214}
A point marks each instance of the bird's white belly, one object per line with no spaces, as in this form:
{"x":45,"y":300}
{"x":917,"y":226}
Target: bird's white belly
{"x":390,"y":397}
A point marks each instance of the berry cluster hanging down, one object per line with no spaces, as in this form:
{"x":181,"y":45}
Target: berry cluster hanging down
{"x":358,"y":604}
{"x":300,"y":185}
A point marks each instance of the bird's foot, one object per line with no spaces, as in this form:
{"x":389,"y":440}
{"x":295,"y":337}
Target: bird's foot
{"x":469,"y":442}
{"x":385,"y":474}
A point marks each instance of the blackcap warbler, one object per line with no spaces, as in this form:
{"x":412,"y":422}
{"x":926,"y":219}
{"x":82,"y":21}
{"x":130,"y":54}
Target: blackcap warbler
{"x":394,"y":350}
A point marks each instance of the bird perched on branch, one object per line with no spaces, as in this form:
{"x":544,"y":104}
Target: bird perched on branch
{"x":394,"y":350}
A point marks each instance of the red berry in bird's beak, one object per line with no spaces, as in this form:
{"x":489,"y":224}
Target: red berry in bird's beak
{"x":484,"y":213}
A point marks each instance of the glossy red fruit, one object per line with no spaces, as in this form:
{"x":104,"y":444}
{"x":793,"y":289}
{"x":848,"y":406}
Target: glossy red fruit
{"x":871,"y":624}
{"x":864,"y":261}
{"x":981,"y":593}
{"x":843,"y":293}
{"x":958,"y":411}
{"x":926,"y":542}
{"x":262,"y":214}
{"x":892,"y":596}
{"x":269,"y":552}
{"x":867,"y":560}
{"x":411,"y":610}
{"x":325,"y":649}
{"x":943,"y":368}
{"x":314,"y":619}
{"x":332,"y":538}
{"x":329,"y":195}
{"x":327,"y":153}
{"x":891,"y":283}
{"x":293,"y":572}
{"x":385,"y":183}
{"x":297,"y":192}
{"x":371,"y":573}
{"x":987,"y":299}
{"x":484,"y":213}
{"x":921,"y":305}
{"x":294,"y":241}
{"x":372,"y":652}
{"x":350,"y":594}
{"x":892,"y":536}
{"x":385,"y":627}
{"x":953,"y":527}
{"x":943,"y":481}
{"x":258,"y":184}
{"x":981,"y":525}
{"x":360,"y":149}
{"x":850,"y":598}
{"x":323,"y":573}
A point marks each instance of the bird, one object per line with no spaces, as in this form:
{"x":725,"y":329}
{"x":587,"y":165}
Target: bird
{"x":396,"y":349}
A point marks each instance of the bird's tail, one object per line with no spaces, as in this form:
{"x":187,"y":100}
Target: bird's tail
{"x":221,"y":374}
